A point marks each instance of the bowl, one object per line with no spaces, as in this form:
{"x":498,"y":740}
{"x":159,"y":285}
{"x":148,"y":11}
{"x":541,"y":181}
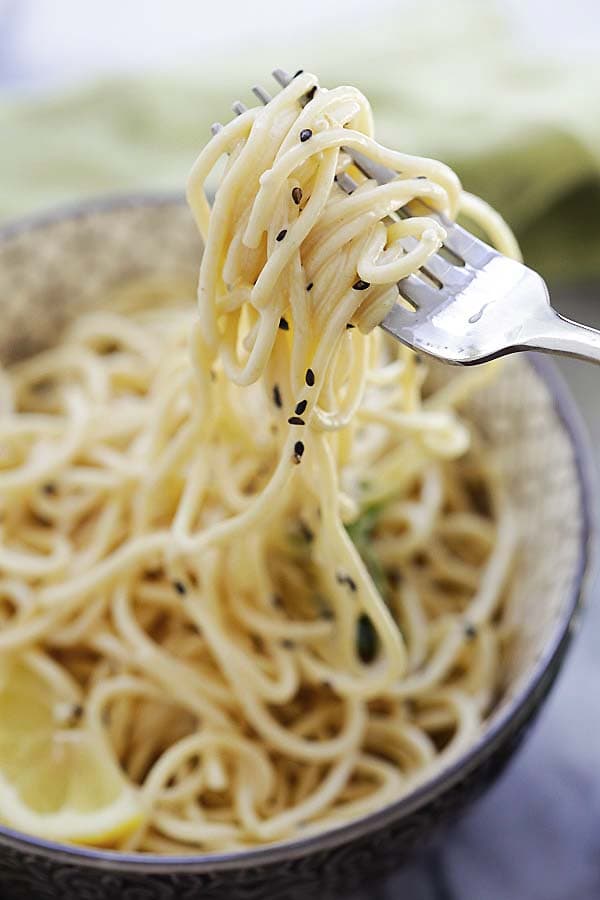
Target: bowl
{"x":55,"y":265}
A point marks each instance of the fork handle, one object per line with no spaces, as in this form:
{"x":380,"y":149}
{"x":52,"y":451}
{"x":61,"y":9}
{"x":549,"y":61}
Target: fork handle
{"x":560,"y":335}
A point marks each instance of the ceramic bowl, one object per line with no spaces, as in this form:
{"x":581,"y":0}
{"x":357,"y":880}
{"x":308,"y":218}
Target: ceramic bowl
{"x":55,"y":265}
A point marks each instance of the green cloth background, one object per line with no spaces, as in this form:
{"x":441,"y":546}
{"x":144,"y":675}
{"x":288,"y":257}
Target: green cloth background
{"x":445,"y":79}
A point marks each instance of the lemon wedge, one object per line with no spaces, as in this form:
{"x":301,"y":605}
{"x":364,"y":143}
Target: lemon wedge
{"x":56,"y":781}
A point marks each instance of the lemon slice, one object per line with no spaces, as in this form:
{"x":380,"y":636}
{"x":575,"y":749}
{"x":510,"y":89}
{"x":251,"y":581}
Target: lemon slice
{"x":56,"y":781}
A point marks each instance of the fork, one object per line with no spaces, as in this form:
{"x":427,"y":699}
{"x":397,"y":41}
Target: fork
{"x":469,"y":304}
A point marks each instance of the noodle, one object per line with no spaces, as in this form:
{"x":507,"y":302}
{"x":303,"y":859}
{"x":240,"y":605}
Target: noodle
{"x":258,"y":546}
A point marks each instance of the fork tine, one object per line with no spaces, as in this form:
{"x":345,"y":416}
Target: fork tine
{"x":421,"y":295}
{"x":468,"y":247}
{"x":448,"y":274}
{"x":346,"y":183}
{"x":371,"y":169}
{"x":238,"y":107}
{"x":262,"y":95}
{"x":282,"y":77}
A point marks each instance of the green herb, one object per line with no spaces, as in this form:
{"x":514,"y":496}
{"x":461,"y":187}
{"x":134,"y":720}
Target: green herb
{"x":360,"y":533}
{"x":366,"y":639}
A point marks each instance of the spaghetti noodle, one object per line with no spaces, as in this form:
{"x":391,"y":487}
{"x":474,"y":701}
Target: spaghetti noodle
{"x":260,"y":546}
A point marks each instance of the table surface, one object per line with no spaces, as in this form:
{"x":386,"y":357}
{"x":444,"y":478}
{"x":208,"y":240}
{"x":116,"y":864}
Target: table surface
{"x":535,"y":835}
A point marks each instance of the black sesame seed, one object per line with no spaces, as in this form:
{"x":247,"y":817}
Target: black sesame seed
{"x":327,"y":684}
{"x":327,"y":615}
{"x":296,"y":420}
{"x":277,"y":396}
{"x":283,"y":324}
{"x":309,"y":286}
{"x":76,"y":711}
{"x":300,"y":407}
{"x":349,"y":325}
{"x":276,"y":601}
{"x":343,"y":578}
{"x":310,"y":377}
{"x":297,"y":195}
{"x":305,"y":134}
{"x":310,"y":94}
{"x":49,"y":488}
{"x":470,"y":631}
{"x":281,"y":234}
{"x":360,"y":285}
{"x":299,"y":72}
{"x":287,"y":644}
{"x":299,"y":450}
{"x":180,"y":587}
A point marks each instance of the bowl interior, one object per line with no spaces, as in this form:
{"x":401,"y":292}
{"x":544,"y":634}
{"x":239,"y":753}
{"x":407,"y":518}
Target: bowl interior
{"x":56,"y":266}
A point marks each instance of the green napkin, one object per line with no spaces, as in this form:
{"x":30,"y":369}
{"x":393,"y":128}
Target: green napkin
{"x":445,"y":80}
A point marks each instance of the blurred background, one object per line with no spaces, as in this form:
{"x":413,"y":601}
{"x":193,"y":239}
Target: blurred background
{"x":107,"y":96}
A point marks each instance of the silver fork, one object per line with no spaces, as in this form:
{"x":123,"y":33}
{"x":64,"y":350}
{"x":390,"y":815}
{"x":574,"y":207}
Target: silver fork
{"x":469,"y":304}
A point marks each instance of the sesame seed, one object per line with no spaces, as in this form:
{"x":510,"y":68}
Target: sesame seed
{"x":310,"y":94}
{"x":49,"y":488}
{"x":349,"y":325}
{"x":305,"y":134}
{"x":300,"y":407}
{"x":296,"y":420}
{"x":309,"y":286}
{"x":287,"y":644}
{"x":297,"y":195}
{"x":470,"y":631}
{"x":281,"y":234}
{"x":299,"y":72}
{"x":276,"y":601}
{"x":283,"y":324}
{"x":76,"y":711}
{"x":277,"y":396}
{"x":180,"y":587}
{"x":360,"y":285}
{"x":299,"y":449}
{"x":309,"y":377}
{"x":343,"y":578}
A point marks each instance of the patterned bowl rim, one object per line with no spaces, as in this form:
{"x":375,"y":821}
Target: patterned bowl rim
{"x":505,"y":722}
